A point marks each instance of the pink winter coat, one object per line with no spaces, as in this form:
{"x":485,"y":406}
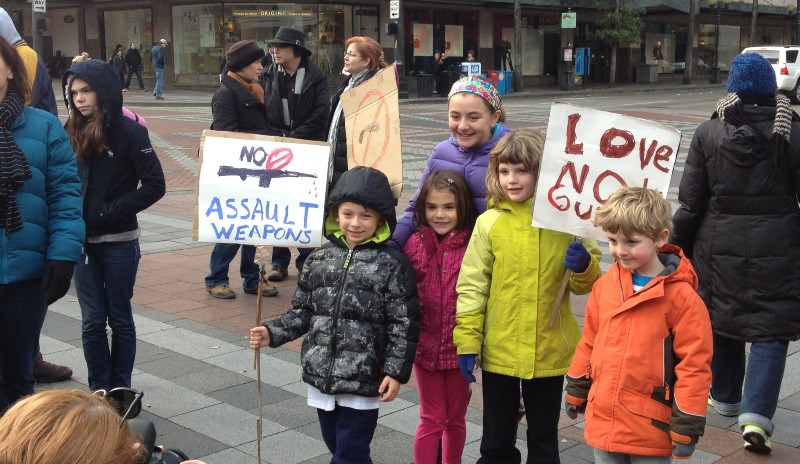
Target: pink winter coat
{"x":436,"y":265}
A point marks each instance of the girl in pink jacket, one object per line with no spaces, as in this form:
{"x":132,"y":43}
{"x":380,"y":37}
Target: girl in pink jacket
{"x":445,"y":215}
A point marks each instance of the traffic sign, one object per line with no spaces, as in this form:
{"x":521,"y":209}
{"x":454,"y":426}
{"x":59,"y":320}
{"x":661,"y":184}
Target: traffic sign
{"x":569,"y":20}
{"x":394,"y":9}
{"x":40,"y":6}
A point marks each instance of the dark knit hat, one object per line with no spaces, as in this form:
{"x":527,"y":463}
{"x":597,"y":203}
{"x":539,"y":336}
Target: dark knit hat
{"x":243,"y":53}
{"x":752,"y":74}
{"x":289,"y":36}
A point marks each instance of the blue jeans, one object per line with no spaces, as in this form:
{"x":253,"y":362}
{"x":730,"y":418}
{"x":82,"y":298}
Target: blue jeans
{"x":347,"y":433}
{"x":22,"y":311}
{"x":607,"y":457}
{"x":104,"y":280}
{"x":281,"y":256}
{"x":159,"y":81}
{"x":221,"y":258}
{"x":762,"y":378}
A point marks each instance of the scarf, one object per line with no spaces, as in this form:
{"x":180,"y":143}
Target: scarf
{"x":14,"y":167}
{"x":254,"y":89}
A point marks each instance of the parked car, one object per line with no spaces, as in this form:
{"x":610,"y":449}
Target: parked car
{"x":701,"y":66}
{"x":785,"y":61}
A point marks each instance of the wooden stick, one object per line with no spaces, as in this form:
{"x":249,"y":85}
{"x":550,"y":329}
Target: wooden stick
{"x":561,"y":291}
{"x":262,"y":257}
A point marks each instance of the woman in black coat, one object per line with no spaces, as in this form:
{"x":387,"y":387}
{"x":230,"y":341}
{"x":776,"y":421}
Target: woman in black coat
{"x":363,"y":58}
{"x":238,"y":106}
{"x":739,"y":223}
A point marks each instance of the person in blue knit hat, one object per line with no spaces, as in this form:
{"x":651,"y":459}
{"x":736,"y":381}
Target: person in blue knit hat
{"x":738,"y":223}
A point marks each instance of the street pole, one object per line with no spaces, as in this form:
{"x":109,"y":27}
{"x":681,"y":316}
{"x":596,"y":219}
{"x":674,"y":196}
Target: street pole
{"x":402,"y":86}
{"x":715,"y":77}
{"x":797,"y":24}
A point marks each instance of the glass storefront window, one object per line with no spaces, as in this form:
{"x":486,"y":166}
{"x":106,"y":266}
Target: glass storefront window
{"x":126,"y":26}
{"x":729,"y":38}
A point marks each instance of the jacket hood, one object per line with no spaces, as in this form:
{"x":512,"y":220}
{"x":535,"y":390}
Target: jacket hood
{"x":745,"y":141}
{"x":676,"y":266}
{"x":104,"y":80}
{"x":7,"y":29}
{"x":368,"y":187}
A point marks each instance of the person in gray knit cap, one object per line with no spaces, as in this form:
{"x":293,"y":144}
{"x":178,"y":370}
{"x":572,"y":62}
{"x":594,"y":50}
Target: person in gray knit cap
{"x":738,"y":223}
{"x":238,"y":106}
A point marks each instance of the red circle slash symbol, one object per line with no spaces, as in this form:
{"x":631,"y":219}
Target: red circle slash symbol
{"x":279,"y":158}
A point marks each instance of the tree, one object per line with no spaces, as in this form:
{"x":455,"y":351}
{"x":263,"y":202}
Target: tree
{"x":620,"y":25}
{"x":518,"y":29}
{"x":688,"y":71}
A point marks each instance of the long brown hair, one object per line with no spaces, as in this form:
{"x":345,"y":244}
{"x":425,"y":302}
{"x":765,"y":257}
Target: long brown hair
{"x":65,"y":426}
{"x":520,"y":146}
{"x":19,"y":82}
{"x":85,"y":134}
{"x":368,"y":48}
{"x":449,"y":181}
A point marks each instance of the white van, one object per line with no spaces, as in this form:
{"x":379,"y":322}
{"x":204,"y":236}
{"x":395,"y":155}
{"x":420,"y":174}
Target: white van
{"x":786,"y":63}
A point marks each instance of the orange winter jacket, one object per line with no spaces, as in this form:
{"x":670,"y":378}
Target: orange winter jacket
{"x":644,"y":360}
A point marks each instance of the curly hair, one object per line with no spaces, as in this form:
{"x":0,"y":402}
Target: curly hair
{"x":65,"y":426}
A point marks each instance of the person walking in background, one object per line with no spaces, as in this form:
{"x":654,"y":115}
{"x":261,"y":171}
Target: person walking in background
{"x":297,"y":96}
{"x":738,"y":223}
{"x":362,"y":59}
{"x":475,"y":119}
{"x":445,"y":215}
{"x":238,"y":106}
{"x":507,"y":287}
{"x":440,"y":73}
{"x":119,"y":65}
{"x":158,"y":58}
{"x":134,"y":61}
{"x":40,"y":217}
{"x":646,"y":300}
{"x":362,"y":325}
{"x":121,"y":176}
{"x":42,"y":97}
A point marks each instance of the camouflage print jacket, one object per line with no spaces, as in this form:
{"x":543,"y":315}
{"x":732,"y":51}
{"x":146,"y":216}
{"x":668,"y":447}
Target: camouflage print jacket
{"x":359,"y":306}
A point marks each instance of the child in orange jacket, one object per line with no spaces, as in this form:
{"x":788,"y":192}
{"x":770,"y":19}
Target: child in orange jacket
{"x":642,"y":369}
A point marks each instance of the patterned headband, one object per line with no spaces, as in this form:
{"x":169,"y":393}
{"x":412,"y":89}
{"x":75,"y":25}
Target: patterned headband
{"x":480,"y":87}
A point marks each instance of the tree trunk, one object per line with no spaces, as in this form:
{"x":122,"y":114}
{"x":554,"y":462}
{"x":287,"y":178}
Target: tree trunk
{"x":612,"y":67}
{"x":518,"y":30}
{"x":753,"y":19}
{"x":688,"y":71}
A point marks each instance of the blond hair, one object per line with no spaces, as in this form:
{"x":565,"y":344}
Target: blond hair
{"x":65,"y":426}
{"x":635,"y":210}
{"x":82,"y":57}
{"x":520,"y":146}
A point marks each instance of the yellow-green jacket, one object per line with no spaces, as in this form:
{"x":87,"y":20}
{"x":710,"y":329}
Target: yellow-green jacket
{"x":507,"y":287}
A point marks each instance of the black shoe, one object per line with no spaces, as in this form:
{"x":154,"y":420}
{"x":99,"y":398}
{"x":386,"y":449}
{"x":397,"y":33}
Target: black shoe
{"x":160,"y":98}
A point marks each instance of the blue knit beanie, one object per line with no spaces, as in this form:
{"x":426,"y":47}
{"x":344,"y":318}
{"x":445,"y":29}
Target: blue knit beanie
{"x":751,"y":74}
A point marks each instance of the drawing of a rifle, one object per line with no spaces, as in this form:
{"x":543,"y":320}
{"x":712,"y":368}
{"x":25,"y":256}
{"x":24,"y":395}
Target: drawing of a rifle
{"x":264,"y":176}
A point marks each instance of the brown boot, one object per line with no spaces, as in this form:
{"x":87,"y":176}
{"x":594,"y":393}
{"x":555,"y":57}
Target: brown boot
{"x":45,"y":372}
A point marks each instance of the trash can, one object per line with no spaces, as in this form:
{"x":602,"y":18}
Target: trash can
{"x":505,"y":82}
{"x":425,"y":83}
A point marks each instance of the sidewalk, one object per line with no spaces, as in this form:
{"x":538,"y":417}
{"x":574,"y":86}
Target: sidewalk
{"x":192,"y":357}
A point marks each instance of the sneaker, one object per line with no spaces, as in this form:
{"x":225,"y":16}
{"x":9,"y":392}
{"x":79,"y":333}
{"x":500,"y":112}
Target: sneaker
{"x":46,"y":372}
{"x":267,"y":289}
{"x":277,"y":273}
{"x":756,"y":439}
{"x":143,"y":89}
{"x":124,"y":90}
{"x":222,"y":291}
{"x":160,"y":98}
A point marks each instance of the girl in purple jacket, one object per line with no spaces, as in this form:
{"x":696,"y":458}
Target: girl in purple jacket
{"x":445,"y":214}
{"x":475,"y":116}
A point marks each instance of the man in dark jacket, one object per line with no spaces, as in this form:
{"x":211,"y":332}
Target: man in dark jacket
{"x":298,"y":102}
{"x":134,"y":61}
{"x":738,"y":223}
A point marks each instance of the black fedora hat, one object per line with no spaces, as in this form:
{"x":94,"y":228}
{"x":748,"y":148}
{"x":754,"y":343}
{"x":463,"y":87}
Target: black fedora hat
{"x":289,"y":36}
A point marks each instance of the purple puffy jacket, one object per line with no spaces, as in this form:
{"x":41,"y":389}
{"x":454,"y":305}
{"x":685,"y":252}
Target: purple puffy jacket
{"x":469,"y":162}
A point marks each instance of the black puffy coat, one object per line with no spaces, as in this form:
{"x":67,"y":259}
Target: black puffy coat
{"x":309,"y":111}
{"x":359,"y":306}
{"x":739,"y":223}
{"x":235,"y":109}
{"x":340,"y":150}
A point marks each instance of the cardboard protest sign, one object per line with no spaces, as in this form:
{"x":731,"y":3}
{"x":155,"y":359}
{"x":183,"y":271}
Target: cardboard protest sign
{"x":259,"y":190}
{"x":589,"y":154}
{"x":372,"y":124}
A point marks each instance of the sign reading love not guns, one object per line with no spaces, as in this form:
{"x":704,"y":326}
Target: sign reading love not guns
{"x":372,"y":124}
{"x":260,"y":190}
{"x":588,"y":155}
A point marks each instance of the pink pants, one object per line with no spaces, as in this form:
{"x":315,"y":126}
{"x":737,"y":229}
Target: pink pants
{"x":443,"y":401}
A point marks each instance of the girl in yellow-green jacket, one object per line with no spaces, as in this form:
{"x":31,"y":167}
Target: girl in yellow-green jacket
{"x":507,"y":287}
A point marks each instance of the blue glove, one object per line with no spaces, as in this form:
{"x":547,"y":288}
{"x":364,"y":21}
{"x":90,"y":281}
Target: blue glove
{"x":577,"y":258}
{"x":574,"y":406}
{"x":682,"y":445}
{"x":466,"y":362}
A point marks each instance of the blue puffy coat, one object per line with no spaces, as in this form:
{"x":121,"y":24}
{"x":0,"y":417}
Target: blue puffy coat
{"x":50,"y":201}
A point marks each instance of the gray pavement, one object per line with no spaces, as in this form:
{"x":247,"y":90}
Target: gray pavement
{"x":197,"y":372}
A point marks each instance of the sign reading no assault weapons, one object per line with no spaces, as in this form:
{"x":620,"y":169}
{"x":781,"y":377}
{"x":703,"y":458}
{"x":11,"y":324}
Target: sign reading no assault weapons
{"x":260,"y":190}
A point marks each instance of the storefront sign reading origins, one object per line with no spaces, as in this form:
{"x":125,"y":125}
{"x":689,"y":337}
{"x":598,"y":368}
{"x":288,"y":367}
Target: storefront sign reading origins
{"x":259,"y":190}
{"x":589,"y":154}
{"x":263,"y":13}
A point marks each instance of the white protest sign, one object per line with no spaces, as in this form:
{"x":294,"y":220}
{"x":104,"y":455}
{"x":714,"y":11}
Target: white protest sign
{"x":589,"y":154}
{"x":259,"y":190}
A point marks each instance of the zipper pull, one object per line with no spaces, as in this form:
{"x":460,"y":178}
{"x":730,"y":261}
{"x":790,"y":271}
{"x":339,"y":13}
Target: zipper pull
{"x":666,"y":392}
{"x":347,"y":259}
{"x":589,"y":371}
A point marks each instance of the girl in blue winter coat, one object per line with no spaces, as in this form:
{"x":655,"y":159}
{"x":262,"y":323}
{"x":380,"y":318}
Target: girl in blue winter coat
{"x":475,"y":115}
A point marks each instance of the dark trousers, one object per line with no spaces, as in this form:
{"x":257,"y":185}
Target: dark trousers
{"x":22,"y":311}
{"x":131,"y":71}
{"x":348,"y":433}
{"x":542,"y":398}
{"x":282,"y":255}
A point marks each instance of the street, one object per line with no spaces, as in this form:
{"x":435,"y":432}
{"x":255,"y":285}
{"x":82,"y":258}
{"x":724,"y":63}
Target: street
{"x":192,"y":357}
